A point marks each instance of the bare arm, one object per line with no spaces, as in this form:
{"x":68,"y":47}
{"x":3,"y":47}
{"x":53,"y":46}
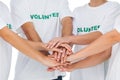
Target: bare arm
{"x":67,"y":38}
{"x":99,"y":45}
{"x":90,"y":61}
{"x":32,"y":35}
{"x":84,"y":39}
{"x":30,"y":32}
{"x":67,"y":26}
{"x":79,"y":39}
{"x":24,"y":47}
{"x":36,"y":45}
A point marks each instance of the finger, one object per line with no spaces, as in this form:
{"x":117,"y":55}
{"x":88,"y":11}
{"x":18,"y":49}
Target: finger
{"x":61,"y":68}
{"x":64,"y":52}
{"x":54,"y":44}
{"x":57,"y":67}
{"x":56,"y":50}
{"x":55,"y":55}
{"x":59,"y":56}
{"x":63,"y":55}
{"x":51,"y":57}
{"x":68,"y":53}
{"x":50,"y":69}
{"x":68,"y":63}
{"x":50,"y":43}
{"x":65,"y":58}
{"x":68,"y":47}
{"x":62,"y":60}
{"x":58,"y":44}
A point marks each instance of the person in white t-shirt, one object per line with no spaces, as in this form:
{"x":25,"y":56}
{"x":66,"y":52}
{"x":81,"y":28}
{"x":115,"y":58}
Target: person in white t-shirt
{"x":94,"y":18}
{"x":111,"y":38}
{"x":7,"y":34}
{"x":39,"y":20}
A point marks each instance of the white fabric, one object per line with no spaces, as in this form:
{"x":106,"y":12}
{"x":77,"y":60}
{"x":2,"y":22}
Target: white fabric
{"x":23,"y":10}
{"x":5,"y":48}
{"x":117,"y":24}
{"x":89,"y":19}
{"x":114,"y":66}
{"x":46,"y":16}
{"x":2,"y":23}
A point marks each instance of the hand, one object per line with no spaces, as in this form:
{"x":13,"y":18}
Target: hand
{"x":48,"y":61}
{"x":72,"y":58}
{"x":60,"y":67}
{"x":67,"y":67}
{"x":61,"y":56}
{"x":57,"y":41}
{"x":44,"y":48}
{"x":67,"y":47}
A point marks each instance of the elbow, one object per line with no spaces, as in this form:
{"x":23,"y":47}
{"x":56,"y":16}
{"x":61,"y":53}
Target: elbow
{"x":5,"y":33}
{"x":107,"y":53}
{"x":114,"y":36}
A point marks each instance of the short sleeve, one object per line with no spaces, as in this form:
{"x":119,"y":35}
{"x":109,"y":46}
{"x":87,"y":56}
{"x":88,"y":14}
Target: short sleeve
{"x":117,"y":24}
{"x":75,"y":21}
{"x":20,"y":12}
{"x":65,"y":10}
{"x":74,"y":27}
{"x":5,"y":18}
{"x":109,"y":19}
{"x":2,"y":24}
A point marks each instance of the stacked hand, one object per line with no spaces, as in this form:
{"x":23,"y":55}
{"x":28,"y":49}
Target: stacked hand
{"x":60,"y":51}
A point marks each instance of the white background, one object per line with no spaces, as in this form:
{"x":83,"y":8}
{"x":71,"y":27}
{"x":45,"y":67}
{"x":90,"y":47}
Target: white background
{"x":73,"y":4}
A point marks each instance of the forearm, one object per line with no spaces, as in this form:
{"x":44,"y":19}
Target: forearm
{"x":30,"y":32}
{"x":85,"y":38}
{"x":36,"y":45}
{"x":67,"y":26}
{"x":93,"y":60}
{"x":20,"y":44}
{"x":32,"y":35}
{"x":99,"y":45}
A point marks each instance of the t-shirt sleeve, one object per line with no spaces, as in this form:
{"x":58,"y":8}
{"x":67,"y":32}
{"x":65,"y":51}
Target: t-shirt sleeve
{"x":2,"y":24}
{"x":20,"y":12}
{"x":75,"y":21}
{"x":5,"y":18}
{"x":109,"y":20}
{"x":65,"y":10}
{"x":117,"y":24}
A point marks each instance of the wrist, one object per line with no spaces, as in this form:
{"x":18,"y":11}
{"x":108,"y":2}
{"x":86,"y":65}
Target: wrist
{"x":71,"y":40}
{"x":71,"y":68}
{"x":41,"y":57}
{"x":42,"y":46}
{"x":71,"y":58}
{"x":75,"y":66}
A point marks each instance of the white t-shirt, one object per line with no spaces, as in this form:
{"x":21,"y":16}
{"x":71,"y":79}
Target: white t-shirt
{"x":2,"y":23}
{"x":46,"y":16}
{"x":114,"y":66}
{"x":5,"y":48}
{"x":90,"y":19}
